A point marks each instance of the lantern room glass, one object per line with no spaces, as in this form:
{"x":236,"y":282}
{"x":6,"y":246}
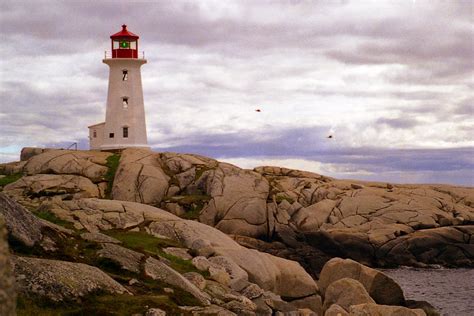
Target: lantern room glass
{"x":124,"y":44}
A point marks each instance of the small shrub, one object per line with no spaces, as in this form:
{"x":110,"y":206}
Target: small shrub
{"x":10,"y":179}
{"x":281,"y":198}
{"x":51,"y":217}
{"x":112,"y":165}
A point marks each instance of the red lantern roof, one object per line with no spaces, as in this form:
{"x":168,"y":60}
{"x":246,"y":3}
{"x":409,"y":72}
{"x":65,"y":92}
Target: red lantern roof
{"x":124,"y":33}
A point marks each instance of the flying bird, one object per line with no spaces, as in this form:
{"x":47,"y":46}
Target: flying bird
{"x":330,"y":136}
{"x":258,"y":110}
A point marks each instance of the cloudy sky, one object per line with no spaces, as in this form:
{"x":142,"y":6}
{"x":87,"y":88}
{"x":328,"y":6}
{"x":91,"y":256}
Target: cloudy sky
{"x":392,"y":81}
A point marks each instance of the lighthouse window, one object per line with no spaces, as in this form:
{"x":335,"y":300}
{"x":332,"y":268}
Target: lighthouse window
{"x":133,"y":45}
{"x":125,"y":132}
{"x":125,"y":102}
{"x":124,"y":44}
{"x":95,"y":134}
{"x":124,"y":75}
{"x":111,"y":135}
{"x":115,"y":44}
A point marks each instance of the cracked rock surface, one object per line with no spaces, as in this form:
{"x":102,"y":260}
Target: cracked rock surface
{"x":60,"y":280}
{"x":283,"y":277}
{"x":380,"y":224}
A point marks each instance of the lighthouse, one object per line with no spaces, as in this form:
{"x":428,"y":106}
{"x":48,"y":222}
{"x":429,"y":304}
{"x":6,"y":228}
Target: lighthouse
{"x":124,"y":124}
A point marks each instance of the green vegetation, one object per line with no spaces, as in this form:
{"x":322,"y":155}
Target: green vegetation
{"x":141,"y":240}
{"x":10,"y":179}
{"x":50,"y":217}
{"x":281,"y":198}
{"x":185,"y":200}
{"x":192,"y":204}
{"x":199,"y":171}
{"x":181,"y":265}
{"x":148,"y":244}
{"x":112,"y":165}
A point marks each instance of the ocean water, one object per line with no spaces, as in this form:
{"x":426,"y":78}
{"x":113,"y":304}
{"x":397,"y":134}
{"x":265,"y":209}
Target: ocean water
{"x":451,"y":291}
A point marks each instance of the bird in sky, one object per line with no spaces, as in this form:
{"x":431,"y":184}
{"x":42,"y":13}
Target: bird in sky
{"x":330,"y":136}
{"x":258,"y":110}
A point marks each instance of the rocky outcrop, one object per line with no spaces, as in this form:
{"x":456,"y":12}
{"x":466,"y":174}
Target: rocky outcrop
{"x":88,"y":164}
{"x":386,"y":223}
{"x":232,"y":199}
{"x":284,"y":277}
{"x":238,"y":201}
{"x":28,"y":152}
{"x":140,"y":178}
{"x":7,"y":279}
{"x":58,"y":281}
{"x":278,"y":203}
{"x":366,"y":220}
{"x":156,"y":255}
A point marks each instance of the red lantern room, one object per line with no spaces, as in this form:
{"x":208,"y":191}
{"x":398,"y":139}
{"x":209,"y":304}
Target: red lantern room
{"x":124,"y":44}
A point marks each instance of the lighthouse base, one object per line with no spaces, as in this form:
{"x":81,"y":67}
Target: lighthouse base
{"x":122,"y":147}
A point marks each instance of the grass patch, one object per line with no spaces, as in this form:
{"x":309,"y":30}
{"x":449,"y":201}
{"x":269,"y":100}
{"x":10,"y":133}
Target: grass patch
{"x":189,"y":199}
{"x":141,"y":240}
{"x":151,"y":245}
{"x":51,"y":217}
{"x":181,"y":265}
{"x":10,"y":179}
{"x":112,"y":165}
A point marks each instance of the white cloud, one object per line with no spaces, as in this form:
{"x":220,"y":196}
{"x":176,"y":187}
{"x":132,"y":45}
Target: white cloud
{"x":397,"y":79}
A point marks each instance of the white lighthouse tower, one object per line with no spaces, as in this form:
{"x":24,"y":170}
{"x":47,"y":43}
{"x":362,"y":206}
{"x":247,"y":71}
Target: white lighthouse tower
{"x":124,"y":124}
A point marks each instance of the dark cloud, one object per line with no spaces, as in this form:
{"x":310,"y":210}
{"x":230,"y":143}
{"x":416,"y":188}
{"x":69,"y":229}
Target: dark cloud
{"x":312,"y":143}
{"x":398,"y":123}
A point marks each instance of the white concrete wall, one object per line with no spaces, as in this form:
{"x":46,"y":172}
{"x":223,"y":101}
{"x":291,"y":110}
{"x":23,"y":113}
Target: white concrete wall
{"x":117,"y":116}
{"x":96,"y":140}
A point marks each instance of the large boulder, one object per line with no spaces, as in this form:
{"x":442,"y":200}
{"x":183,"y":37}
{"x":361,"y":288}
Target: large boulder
{"x":89,"y":164}
{"x":28,"y":152}
{"x":140,"y":177}
{"x":22,"y":225}
{"x":238,"y":204}
{"x":383,"y":289}
{"x":7,"y":279}
{"x":51,"y":184}
{"x":61,"y":281}
{"x":281,"y":276}
{"x":127,"y":259}
{"x":27,"y":229}
{"x":345,"y":293}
